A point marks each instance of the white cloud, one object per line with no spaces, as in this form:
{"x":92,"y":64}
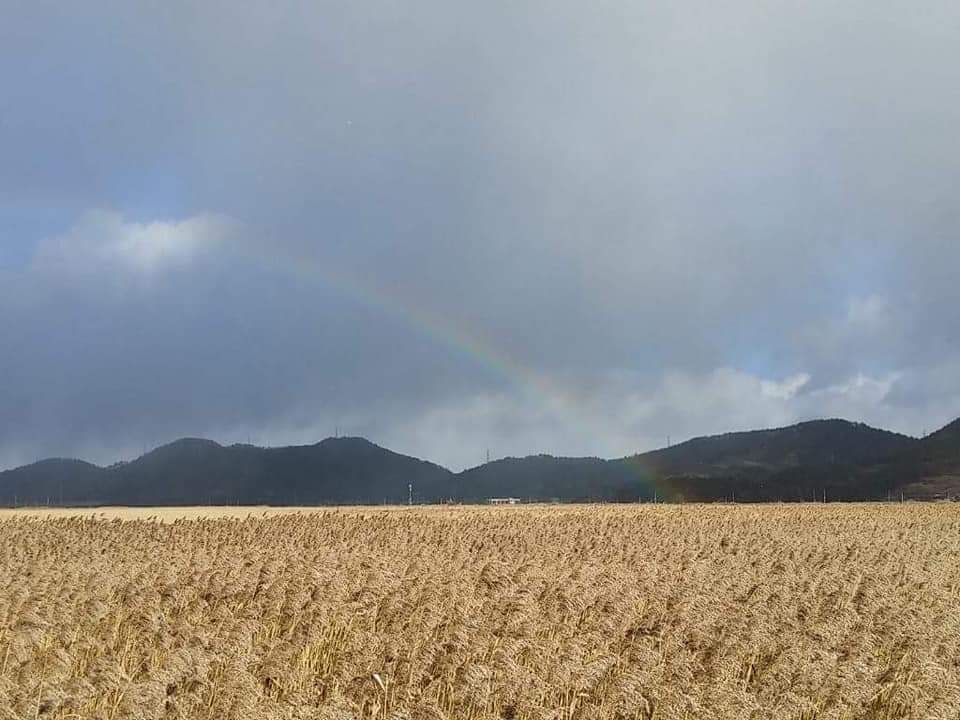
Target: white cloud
{"x":786,"y":389}
{"x":102,"y":239}
{"x":860,"y":388}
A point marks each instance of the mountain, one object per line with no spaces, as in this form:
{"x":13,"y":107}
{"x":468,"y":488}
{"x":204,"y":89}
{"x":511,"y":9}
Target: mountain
{"x":944,"y":443}
{"x":929,"y":470}
{"x":807,"y":443}
{"x":544,"y":477}
{"x":202,"y":472}
{"x":832,"y":459}
{"x":54,"y":482}
{"x":940,"y":463}
{"x":801,"y":462}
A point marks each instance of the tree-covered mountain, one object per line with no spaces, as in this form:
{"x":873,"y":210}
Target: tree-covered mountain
{"x":929,"y":469}
{"x":55,"y":482}
{"x":832,"y":459}
{"x":806,"y":461}
{"x":201,"y":472}
{"x":545,"y":477}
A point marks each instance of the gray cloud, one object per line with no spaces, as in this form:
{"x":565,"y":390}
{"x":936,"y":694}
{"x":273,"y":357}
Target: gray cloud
{"x":534,"y":227}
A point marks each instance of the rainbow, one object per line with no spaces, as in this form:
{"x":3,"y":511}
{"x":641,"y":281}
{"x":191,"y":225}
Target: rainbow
{"x":432,"y":325}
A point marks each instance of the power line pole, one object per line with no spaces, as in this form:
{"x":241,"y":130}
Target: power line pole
{"x":410,"y":494}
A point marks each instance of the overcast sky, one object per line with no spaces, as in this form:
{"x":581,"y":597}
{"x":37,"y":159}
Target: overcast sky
{"x":564,"y":227}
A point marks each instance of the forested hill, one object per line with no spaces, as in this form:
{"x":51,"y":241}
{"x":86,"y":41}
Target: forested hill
{"x":832,"y":459}
{"x":201,"y":472}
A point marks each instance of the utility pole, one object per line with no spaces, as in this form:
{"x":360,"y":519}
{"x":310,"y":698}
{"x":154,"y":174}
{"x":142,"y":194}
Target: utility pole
{"x":410,"y":494}
{"x":488,"y":456}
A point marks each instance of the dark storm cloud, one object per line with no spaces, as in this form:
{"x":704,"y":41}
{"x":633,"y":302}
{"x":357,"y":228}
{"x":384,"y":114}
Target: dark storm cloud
{"x":531,"y":226}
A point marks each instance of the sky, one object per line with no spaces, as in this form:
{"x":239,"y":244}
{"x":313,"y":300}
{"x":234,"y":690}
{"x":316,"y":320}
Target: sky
{"x":453,"y":228}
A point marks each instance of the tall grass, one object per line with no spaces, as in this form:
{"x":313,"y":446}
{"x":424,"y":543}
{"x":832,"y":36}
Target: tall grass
{"x":545,"y":612}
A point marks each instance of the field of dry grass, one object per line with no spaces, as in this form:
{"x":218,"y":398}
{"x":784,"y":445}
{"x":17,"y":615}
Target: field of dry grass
{"x":160,"y":514}
{"x":802,"y":612}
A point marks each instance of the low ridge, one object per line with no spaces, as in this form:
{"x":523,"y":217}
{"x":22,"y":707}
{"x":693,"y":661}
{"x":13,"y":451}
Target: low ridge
{"x":821,"y":459}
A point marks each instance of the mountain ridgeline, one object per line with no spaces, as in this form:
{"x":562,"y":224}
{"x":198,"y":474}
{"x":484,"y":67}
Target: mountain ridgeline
{"x":823,"y":459}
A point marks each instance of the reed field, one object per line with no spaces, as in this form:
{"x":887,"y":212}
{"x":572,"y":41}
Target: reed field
{"x":560,"y":612}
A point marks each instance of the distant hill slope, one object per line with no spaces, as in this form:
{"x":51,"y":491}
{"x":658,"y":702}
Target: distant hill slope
{"x":800,"y":462}
{"x":940,"y":463}
{"x":928,"y":470}
{"x":543,"y":477}
{"x":201,"y":472}
{"x":835,"y":459}
{"x":54,"y":482}
{"x":808,"y":443}
{"x":944,"y":444}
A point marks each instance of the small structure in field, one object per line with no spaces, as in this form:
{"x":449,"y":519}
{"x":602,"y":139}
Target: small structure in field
{"x":504,"y":501}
